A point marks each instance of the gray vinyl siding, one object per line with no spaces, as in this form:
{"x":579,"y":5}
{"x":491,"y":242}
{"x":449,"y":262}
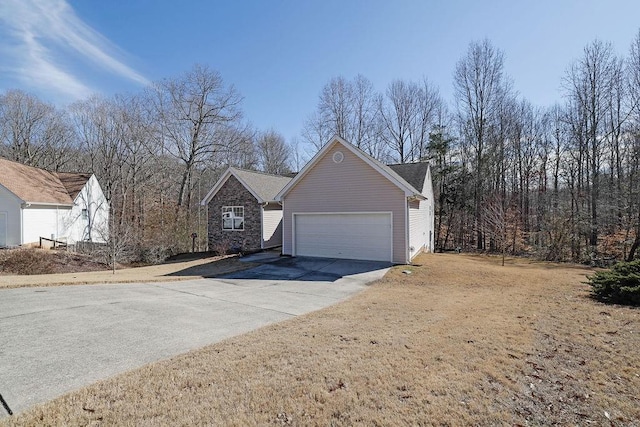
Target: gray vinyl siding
{"x":349,"y":186}
{"x":271,"y":226}
{"x":10,"y":205}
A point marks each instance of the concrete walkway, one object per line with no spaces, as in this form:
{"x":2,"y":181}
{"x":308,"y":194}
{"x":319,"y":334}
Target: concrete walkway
{"x":57,"y":339}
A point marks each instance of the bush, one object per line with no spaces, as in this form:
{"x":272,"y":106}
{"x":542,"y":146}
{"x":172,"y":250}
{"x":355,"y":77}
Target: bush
{"x":155,"y":254}
{"x":27,"y":261}
{"x":24,"y":261}
{"x":619,"y":285}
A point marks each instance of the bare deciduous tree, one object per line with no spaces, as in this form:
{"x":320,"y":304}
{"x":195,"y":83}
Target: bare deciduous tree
{"x":192,"y":110}
{"x":398,"y":111}
{"x":273,"y":153}
{"x":346,"y":109}
{"x":633,"y":151}
{"x":408,"y":114}
{"x":588,"y":86}
{"x":480,"y":89}
{"x":33,"y":132}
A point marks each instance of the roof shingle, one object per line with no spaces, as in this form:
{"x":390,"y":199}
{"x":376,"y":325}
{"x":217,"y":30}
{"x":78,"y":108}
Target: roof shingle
{"x":413,"y":173}
{"x":34,"y":185}
{"x":73,"y":182}
{"x":264,"y":185}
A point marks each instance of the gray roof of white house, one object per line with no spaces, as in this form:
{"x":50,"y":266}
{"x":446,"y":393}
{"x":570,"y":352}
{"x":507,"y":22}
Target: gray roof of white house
{"x":264,"y":185}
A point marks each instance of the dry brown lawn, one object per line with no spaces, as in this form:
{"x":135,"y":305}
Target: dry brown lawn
{"x":460,"y":341}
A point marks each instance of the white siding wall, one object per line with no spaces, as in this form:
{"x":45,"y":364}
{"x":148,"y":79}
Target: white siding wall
{"x":430,"y":205}
{"x":271,"y":226}
{"x":417,"y":227}
{"x":42,"y":221}
{"x":10,"y":206}
{"x":349,"y":186}
{"x":73,"y":226}
{"x":422,"y":220}
{"x":96,"y":226}
{"x":28,"y":224}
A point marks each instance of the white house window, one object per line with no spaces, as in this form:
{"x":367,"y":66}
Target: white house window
{"x":85,"y":214}
{"x":233,"y":217}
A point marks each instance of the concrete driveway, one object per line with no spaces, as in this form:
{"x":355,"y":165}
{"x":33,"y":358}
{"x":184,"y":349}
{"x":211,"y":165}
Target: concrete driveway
{"x":57,"y":339}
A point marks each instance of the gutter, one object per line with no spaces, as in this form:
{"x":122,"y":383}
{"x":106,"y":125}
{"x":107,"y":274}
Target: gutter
{"x":407,"y":250}
{"x":29,"y":204}
{"x":416,"y":197}
{"x":262,"y":206}
{"x":21,"y":226}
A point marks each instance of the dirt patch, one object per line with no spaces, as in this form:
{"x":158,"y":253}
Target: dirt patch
{"x":459,"y":341}
{"x":40,"y":261}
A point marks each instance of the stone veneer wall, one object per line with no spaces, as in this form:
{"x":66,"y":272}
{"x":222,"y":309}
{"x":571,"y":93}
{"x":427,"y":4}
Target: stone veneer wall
{"x":233,"y":193}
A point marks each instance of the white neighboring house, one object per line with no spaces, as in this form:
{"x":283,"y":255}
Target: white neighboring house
{"x":35,"y":203}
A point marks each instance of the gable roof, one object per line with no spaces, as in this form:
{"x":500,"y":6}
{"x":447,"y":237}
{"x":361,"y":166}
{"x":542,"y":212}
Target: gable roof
{"x":262,"y":186}
{"x":388,"y":172}
{"x":414,"y":173}
{"x":73,"y":182}
{"x":35,"y":185}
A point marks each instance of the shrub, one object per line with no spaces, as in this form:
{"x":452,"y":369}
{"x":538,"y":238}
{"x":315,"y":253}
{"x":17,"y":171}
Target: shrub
{"x":221,"y":247}
{"x":619,"y":285}
{"x":154,"y":254}
{"x":25,"y":261}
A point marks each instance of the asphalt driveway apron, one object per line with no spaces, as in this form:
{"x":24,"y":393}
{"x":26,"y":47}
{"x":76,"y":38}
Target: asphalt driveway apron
{"x":57,"y":339}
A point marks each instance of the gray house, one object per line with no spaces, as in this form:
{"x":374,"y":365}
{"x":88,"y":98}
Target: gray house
{"x":242,"y":212}
{"x":346,"y":204}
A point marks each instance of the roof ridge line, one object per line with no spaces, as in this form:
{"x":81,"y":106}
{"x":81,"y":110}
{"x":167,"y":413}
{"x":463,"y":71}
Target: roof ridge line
{"x":258,"y":172}
{"x":408,"y":163}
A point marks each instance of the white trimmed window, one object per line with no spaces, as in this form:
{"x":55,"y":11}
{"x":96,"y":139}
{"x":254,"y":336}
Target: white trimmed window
{"x":233,"y":217}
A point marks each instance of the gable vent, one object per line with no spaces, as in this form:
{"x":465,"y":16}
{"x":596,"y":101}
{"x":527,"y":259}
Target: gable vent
{"x":338,"y":157}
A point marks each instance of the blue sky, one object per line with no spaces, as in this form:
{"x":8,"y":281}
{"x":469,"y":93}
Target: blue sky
{"x":279,"y":53}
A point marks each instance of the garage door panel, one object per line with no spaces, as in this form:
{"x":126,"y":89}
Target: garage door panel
{"x":352,"y":236}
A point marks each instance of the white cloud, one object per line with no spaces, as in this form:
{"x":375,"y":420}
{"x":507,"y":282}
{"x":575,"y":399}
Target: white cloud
{"x":40,"y":32}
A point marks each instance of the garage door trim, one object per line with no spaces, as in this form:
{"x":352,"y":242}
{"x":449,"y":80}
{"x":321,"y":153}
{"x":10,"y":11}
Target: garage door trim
{"x":386,"y":213}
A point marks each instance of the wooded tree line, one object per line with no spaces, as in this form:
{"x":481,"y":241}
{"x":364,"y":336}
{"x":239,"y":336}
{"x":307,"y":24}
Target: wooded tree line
{"x":559,"y":182}
{"x":156,"y":153}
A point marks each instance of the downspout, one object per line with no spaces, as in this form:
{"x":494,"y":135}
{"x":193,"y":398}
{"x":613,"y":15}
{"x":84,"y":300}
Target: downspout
{"x":262,"y":206}
{"x":23,"y":206}
{"x":206,"y":215}
{"x":284,"y":230}
{"x":406,"y":232}
{"x":281,"y":203}
{"x":22,"y":224}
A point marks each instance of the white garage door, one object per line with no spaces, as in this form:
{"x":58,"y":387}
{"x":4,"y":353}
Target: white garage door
{"x":364,"y":236}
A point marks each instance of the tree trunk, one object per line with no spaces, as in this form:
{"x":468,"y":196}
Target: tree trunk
{"x":634,"y":247}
